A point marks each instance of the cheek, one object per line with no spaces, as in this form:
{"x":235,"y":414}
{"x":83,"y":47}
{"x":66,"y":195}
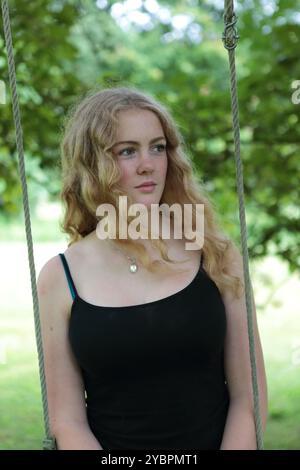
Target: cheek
{"x":125,"y":174}
{"x":164,"y":166}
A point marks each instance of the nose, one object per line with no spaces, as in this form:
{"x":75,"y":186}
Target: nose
{"x":145,"y":163}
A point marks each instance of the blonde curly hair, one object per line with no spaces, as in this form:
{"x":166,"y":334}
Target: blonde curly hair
{"x":90,"y":176}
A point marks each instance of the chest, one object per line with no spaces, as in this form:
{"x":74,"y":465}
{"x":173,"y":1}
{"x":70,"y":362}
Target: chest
{"x":184,"y":330}
{"x":114,"y":285}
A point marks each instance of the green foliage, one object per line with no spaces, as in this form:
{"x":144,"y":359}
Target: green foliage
{"x":64,"y":48}
{"x":46,"y":87}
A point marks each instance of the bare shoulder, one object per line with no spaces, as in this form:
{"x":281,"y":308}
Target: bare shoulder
{"x":51,"y":283}
{"x":63,"y":375}
{"x":87,"y":259}
{"x":52,"y":278}
{"x":49,"y":272}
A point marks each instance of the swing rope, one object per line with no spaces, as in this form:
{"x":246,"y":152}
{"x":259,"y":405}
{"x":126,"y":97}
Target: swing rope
{"x":230,"y":41}
{"x":48,"y":442}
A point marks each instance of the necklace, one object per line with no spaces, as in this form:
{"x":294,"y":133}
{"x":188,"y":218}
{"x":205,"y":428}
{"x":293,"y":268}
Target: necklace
{"x":133,"y":264}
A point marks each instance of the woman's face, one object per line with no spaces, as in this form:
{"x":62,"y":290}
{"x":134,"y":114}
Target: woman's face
{"x":143,"y":159}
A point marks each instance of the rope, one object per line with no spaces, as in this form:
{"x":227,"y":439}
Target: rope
{"x":230,"y":39}
{"x":48,"y":442}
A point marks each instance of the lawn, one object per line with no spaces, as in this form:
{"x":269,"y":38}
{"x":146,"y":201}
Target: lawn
{"x":21,"y":421}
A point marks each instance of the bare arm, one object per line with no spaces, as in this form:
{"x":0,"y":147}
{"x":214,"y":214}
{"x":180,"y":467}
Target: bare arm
{"x":65,"y":388}
{"x":76,"y":437}
{"x":239,"y":431}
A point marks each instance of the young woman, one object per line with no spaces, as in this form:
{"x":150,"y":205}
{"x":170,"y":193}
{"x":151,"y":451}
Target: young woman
{"x":145,"y":342}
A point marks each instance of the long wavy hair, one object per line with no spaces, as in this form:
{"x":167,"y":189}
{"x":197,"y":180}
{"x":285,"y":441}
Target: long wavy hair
{"x":90,"y":175}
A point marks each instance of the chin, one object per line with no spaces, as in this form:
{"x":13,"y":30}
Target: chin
{"x":147,"y":201}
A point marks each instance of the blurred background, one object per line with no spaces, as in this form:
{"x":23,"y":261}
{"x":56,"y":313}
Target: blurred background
{"x":174,"y":50}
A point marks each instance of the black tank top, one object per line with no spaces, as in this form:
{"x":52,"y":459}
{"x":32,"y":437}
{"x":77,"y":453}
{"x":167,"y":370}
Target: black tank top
{"x":154,"y":372}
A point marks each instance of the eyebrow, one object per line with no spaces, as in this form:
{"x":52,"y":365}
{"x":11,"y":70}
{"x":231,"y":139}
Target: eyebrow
{"x":134,"y":142}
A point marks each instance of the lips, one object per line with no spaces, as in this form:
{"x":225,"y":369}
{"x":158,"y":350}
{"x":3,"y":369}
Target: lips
{"x":144,"y":185}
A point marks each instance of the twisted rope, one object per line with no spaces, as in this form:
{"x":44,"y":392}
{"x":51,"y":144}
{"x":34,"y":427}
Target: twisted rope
{"x":230,"y":39}
{"x":49,"y":441}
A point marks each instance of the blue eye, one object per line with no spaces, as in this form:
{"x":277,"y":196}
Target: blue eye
{"x":162,"y":146}
{"x":129,"y":148}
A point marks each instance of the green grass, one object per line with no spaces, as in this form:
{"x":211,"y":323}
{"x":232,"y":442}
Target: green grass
{"x":283,"y":429}
{"x":21,"y":421}
{"x":21,"y":408}
{"x":46,"y":230}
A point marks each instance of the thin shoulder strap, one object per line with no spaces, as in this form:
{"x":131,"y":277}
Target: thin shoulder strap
{"x":69,"y":277}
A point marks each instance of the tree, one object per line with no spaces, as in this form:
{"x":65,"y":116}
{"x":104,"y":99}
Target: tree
{"x":177,"y":55}
{"x":46,"y":87}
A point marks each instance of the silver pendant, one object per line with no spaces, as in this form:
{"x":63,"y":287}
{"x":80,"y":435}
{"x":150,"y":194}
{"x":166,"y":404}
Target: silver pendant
{"x":133,"y":268}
